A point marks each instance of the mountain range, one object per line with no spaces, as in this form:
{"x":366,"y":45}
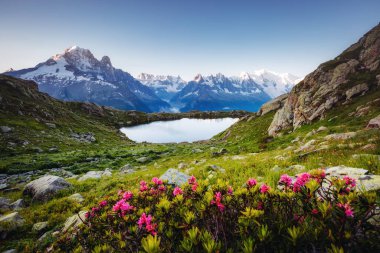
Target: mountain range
{"x":76,"y":75}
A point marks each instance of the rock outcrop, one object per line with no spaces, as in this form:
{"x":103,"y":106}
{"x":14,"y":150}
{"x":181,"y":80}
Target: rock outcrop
{"x":5,"y":204}
{"x":94,"y":174}
{"x":44,"y":188}
{"x":273,"y":105}
{"x":357,"y":89}
{"x":364,"y":180}
{"x":175,"y":177}
{"x":374,"y":123}
{"x":74,"y":221}
{"x":334,"y":82}
{"x":9,"y":223}
{"x":40,"y":227}
{"x":340,"y":136}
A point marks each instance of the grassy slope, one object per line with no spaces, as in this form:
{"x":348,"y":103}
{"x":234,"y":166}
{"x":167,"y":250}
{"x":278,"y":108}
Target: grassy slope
{"x":27,"y":111}
{"x":250,"y":153}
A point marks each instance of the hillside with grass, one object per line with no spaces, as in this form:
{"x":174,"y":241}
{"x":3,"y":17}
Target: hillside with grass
{"x":302,"y":176}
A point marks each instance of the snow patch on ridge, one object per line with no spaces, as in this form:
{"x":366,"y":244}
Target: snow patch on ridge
{"x":58,"y":69}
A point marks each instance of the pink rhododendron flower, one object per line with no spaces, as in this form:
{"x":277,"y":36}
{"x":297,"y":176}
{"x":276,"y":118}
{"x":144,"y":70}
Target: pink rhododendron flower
{"x":103,"y":203}
{"x":347,"y":209}
{"x":177,"y":191}
{"x":220,"y":206}
{"x":350,"y":181}
{"x":217,"y":201}
{"x":126,"y":207}
{"x":151,"y":228}
{"x":260,"y":205}
{"x":147,"y":221}
{"x":286,"y":180}
{"x":251,"y":182}
{"x":121,"y":205}
{"x":127,"y":195}
{"x":230,"y":190}
{"x":349,"y":212}
{"x":161,"y":188}
{"x":192,"y":180}
{"x":264,"y":188}
{"x":323,"y":174}
{"x":314,"y":211}
{"x":218,"y":196}
{"x":301,"y":180}
{"x":143,"y":186}
{"x":142,"y":220}
{"x":157,"y":181}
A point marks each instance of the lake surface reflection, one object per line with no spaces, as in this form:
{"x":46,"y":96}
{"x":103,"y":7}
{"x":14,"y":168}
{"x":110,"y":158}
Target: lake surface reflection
{"x":182,"y":130}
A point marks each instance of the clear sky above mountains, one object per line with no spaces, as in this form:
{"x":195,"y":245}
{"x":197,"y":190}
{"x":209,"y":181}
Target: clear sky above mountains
{"x":186,"y":37}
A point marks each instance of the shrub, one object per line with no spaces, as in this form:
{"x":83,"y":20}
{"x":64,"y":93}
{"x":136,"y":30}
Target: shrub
{"x":309,"y":213}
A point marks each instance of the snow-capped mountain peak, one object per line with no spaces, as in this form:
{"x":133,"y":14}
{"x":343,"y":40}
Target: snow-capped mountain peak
{"x":244,"y":76}
{"x":9,"y":70}
{"x":198,"y":78}
{"x":77,"y":75}
{"x":151,"y":77}
{"x":272,"y":83}
{"x":165,"y":86}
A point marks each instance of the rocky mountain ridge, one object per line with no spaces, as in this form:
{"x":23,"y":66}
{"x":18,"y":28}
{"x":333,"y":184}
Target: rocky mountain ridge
{"x":219,"y":92}
{"x":76,"y":75}
{"x":354,"y":72}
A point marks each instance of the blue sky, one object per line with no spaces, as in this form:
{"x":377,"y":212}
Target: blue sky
{"x":186,"y":37}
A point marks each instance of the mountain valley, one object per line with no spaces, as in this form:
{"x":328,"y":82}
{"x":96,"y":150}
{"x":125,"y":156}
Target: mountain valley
{"x":298,"y":172}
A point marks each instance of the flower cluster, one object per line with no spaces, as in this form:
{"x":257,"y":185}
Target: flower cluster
{"x":300,"y":181}
{"x":251,"y":182}
{"x":157,"y":181}
{"x":127,"y":195}
{"x":147,"y":221}
{"x":199,"y":217}
{"x":177,"y":191}
{"x":264,"y":188}
{"x":350,"y":183}
{"x":143,"y":186}
{"x":218,"y":201}
{"x":122,"y":206}
{"x":96,"y":209}
{"x":285,"y":180}
{"x":347,"y":209}
{"x":193,"y":182}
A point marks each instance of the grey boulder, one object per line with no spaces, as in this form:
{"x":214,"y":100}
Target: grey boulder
{"x":10,"y":222}
{"x":5,"y":204}
{"x":5,"y":129}
{"x":175,"y":177}
{"x":39,"y":227}
{"x":74,"y":221}
{"x":340,"y":136}
{"x":374,"y":123}
{"x":18,"y":204}
{"x":93,"y":174}
{"x":44,"y":188}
